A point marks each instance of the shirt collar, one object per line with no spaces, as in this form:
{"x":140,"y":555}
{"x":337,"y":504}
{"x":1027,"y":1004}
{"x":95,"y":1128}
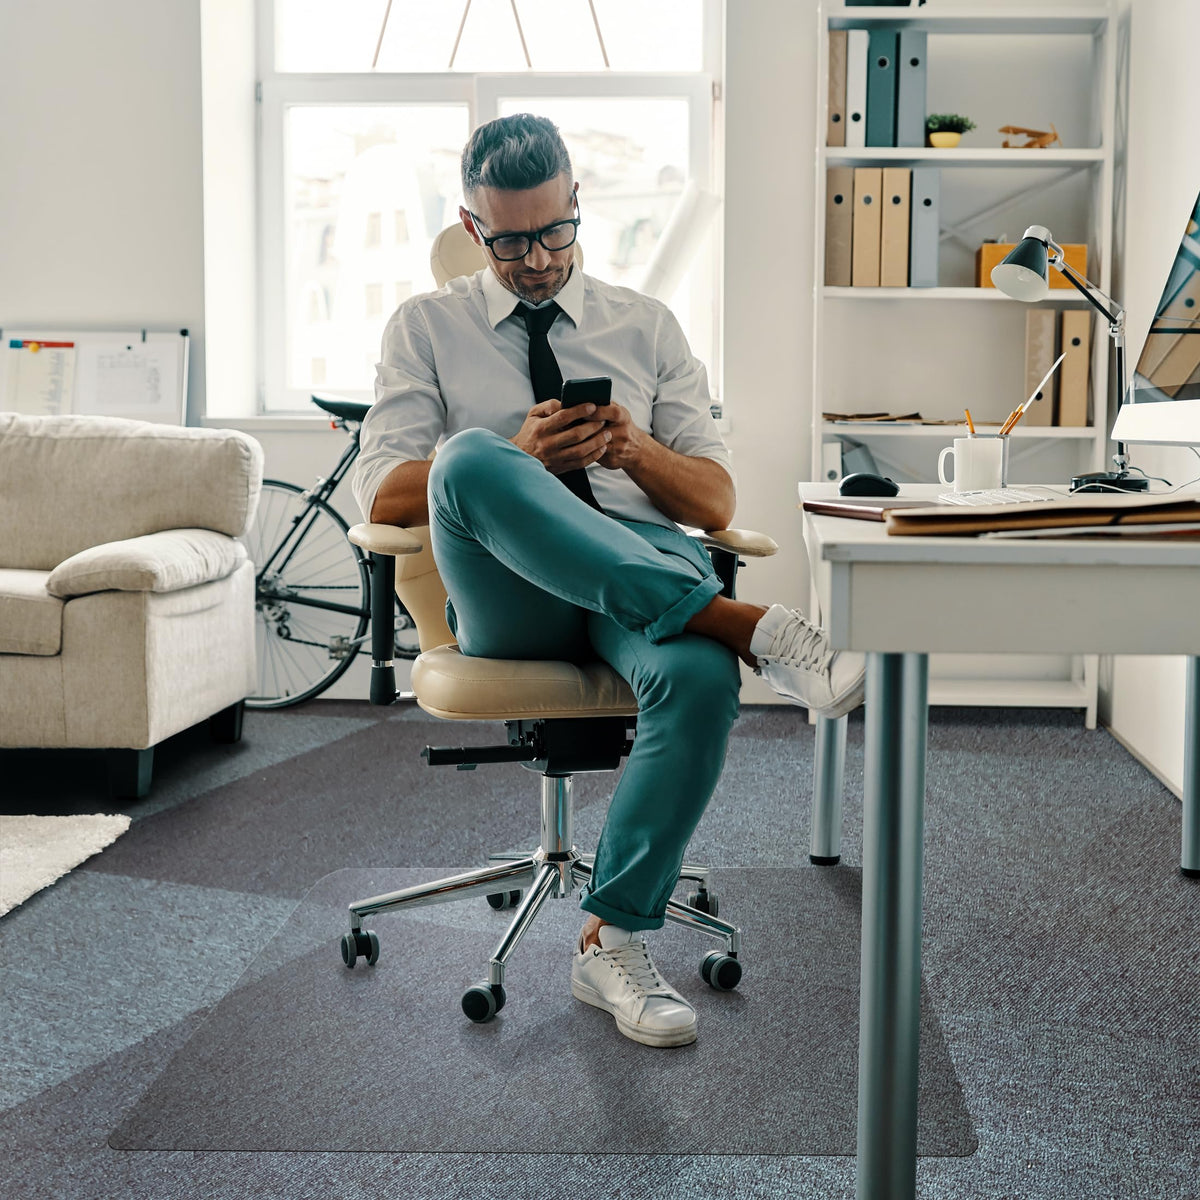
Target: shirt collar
{"x":500,"y":301}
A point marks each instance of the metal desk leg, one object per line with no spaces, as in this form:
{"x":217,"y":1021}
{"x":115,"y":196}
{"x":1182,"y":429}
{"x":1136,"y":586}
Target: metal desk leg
{"x":1189,"y":859}
{"x":829,"y":770}
{"x":893,"y":861}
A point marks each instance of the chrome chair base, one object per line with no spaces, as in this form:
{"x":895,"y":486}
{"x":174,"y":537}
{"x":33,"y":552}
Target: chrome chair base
{"x":555,"y":869}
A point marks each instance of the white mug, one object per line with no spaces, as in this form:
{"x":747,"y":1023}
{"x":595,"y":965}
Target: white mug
{"x":980,"y":463}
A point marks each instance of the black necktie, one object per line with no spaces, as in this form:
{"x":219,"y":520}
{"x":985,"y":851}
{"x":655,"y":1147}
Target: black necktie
{"x":547,"y":381}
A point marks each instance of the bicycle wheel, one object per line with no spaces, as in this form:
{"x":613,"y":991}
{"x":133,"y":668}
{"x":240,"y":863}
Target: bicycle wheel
{"x":311,"y":596}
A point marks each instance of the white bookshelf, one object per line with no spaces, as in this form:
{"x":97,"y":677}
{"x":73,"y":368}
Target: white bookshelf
{"x":962,"y":346}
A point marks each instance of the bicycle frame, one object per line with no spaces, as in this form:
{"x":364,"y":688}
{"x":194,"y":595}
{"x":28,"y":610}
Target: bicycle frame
{"x":302,"y":522}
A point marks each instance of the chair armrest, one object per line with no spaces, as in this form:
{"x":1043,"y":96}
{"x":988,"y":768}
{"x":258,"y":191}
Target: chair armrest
{"x":737,"y":541}
{"x":385,"y":539}
{"x":167,"y":561}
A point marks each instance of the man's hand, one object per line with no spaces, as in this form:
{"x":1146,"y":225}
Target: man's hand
{"x":545,"y":435}
{"x":628,"y":441}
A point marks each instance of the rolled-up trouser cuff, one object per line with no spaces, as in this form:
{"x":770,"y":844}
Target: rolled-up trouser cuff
{"x":614,"y":916}
{"x":672,"y":622}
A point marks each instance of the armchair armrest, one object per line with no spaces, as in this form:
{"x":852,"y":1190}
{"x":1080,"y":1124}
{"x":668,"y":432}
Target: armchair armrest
{"x":737,"y":541}
{"x":167,"y":561}
{"x":391,"y":540}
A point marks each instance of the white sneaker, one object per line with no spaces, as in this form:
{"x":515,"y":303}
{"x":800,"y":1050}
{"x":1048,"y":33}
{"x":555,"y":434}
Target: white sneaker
{"x":795,"y":658}
{"x":619,"y":977}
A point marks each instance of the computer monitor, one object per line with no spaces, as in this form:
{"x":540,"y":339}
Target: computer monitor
{"x":1163,"y":404}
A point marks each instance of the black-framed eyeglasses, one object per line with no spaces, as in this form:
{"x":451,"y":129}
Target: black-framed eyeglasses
{"x":509,"y":247}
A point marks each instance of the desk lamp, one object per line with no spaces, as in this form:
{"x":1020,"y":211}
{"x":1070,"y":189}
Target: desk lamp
{"x":1024,"y":275}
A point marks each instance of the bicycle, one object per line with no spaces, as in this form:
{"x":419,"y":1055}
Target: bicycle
{"x":312,"y":587}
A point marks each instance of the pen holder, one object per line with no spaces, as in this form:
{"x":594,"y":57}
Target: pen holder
{"x":980,"y":463}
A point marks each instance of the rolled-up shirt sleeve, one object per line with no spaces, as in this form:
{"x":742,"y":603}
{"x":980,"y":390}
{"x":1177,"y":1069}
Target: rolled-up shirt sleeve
{"x":682,"y":415}
{"x":409,"y":413}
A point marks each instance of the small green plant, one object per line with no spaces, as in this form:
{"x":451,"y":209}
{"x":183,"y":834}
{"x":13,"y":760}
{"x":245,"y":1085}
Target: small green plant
{"x":948,"y":123}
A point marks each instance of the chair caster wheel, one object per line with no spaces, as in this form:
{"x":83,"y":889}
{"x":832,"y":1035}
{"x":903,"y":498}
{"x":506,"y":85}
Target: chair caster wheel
{"x":360,"y":942}
{"x":483,"y":1001}
{"x":706,"y":902}
{"x":500,"y":900}
{"x":721,"y":971}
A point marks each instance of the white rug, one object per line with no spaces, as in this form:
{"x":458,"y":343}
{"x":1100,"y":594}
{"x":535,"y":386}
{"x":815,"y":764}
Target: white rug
{"x":35,"y":851}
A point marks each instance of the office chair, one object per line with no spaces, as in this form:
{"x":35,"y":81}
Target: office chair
{"x":562,"y":718}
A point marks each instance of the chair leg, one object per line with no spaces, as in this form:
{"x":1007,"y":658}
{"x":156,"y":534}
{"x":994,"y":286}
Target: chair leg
{"x":544,"y":886}
{"x":455,"y":887}
{"x":129,"y":772}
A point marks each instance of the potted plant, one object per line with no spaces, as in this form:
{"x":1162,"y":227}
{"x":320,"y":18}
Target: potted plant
{"x":945,"y":129}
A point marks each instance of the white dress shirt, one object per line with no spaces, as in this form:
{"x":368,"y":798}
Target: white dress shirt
{"x":458,"y":359}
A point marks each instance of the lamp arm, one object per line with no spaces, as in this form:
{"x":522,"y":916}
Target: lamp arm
{"x":1114,"y":315}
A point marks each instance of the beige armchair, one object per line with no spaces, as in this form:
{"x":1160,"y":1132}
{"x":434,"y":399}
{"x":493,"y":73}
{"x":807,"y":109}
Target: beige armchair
{"x":126,"y":600}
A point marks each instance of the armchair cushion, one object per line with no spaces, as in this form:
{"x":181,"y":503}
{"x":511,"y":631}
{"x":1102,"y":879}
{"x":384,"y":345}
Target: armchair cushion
{"x":30,"y":618}
{"x":156,"y":562}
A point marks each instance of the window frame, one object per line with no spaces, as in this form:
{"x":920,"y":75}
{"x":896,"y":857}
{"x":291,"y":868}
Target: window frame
{"x":481,"y":94}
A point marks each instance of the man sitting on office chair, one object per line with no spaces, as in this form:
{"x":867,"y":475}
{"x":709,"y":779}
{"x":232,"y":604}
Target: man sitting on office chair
{"x":598,"y":568}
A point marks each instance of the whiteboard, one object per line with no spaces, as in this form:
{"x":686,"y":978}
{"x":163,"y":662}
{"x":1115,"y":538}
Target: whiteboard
{"x":115,"y":373}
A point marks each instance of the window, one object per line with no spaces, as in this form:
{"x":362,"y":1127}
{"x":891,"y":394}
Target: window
{"x":365,"y":110}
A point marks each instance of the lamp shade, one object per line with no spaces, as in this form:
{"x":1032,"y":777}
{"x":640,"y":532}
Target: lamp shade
{"x":1024,"y":273}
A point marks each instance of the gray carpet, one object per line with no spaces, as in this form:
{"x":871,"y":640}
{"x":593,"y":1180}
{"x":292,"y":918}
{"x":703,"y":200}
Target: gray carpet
{"x":1059,"y":955}
{"x":306,"y":1055}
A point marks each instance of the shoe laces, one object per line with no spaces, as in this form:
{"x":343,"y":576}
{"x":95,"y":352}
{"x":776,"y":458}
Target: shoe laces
{"x":634,"y":963}
{"x":802,"y":643}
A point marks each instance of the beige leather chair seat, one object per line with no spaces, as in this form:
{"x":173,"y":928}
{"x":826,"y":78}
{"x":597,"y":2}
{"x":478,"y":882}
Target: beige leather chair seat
{"x":449,"y":684}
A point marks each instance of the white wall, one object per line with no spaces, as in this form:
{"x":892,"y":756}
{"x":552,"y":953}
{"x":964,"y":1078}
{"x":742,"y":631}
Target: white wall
{"x":101,"y":201}
{"x":1143,"y":701}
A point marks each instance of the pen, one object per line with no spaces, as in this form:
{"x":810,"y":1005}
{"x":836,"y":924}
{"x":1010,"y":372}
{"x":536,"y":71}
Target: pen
{"x":970,"y":423}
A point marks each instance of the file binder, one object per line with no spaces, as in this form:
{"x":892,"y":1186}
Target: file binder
{"x":835,"y":130}
{"x":831,"y":461}
{"x":1073,"y":374}
{"x":839,"y":225}
{"x":893,"y":254}
{"x":881,"y":87}
{"x":910,"y":88}
{"x":865,"y":246}
{"x":924,"y":230}
{"x":1041,"y":328}
{"x":857,"y":44}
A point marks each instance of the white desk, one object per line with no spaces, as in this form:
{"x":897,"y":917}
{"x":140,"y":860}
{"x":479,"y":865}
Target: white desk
{"x":900,"y":599}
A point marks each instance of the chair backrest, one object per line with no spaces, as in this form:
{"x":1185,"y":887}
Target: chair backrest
{"x":454,"y":253}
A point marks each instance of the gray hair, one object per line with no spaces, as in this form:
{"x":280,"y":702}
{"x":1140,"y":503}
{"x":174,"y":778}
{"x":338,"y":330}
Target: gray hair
{"x":513,"y":153}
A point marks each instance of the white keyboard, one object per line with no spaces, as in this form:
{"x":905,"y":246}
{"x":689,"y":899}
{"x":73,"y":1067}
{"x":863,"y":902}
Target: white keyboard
{"x":1007,"y":495}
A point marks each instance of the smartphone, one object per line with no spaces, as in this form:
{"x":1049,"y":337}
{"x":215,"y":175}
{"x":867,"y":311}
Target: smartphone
{"x":596,"y":390}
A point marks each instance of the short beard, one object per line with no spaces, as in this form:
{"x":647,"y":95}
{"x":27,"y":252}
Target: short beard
{"x":545,"y":291}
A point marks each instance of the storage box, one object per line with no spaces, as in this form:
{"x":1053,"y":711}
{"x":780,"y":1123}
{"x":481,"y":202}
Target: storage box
{"x":991,"y":253}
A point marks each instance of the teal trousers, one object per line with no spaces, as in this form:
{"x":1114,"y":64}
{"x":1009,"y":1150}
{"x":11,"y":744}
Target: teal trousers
{"x":532,"y":571}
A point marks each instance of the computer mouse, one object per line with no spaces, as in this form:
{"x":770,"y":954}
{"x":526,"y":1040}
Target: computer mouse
{"x":863,"y":483}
